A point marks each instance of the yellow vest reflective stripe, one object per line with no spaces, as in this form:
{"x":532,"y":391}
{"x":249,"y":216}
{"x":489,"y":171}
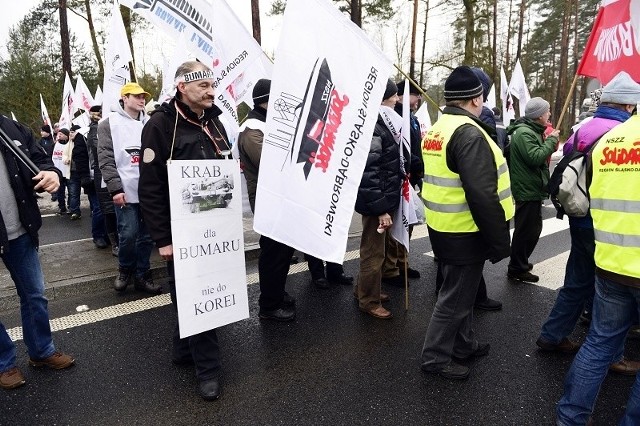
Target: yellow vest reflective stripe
{"x":615,"y":199}
{"x":446,"y":207}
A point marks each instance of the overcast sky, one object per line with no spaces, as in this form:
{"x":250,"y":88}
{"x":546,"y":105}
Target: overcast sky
{"x":151,"y":50}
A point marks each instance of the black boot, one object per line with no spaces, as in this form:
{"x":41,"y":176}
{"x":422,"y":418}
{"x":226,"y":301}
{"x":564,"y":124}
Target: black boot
{"x":146,"y":284}
{"x":121,"y":283}
{"x":113,"y":239}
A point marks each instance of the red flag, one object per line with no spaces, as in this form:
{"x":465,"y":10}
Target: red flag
{"x":614,"y":44}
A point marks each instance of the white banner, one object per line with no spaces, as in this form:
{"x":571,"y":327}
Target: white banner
{"x":328,"y":83}
{"x":422,"y":114}
{"x":116,"y":59}
{"x":208,"y":244}
{"x":45,"y":114}
{"x":212,"y":32}
{"x":518,"y":87}
{"x":67,"y":107}
{"x":508,"y":112}
{"x":82,"y":97}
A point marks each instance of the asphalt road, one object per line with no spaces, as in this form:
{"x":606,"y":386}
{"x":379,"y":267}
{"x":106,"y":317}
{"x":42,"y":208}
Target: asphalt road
{"x":333,"y":366}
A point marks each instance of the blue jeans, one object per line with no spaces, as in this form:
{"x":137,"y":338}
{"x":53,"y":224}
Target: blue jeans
{"x":61,"y":194}
{"x":135,"y":242}
{"x":579,"y":278}
{"x":73,"y":186}
{"x":21,"y":259}
{"x":615,"y":307}
{"x":98,"y":228}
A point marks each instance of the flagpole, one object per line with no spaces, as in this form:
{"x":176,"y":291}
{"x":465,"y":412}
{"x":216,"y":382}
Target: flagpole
{"x":566,"y":102}
{"x":422,"y":92}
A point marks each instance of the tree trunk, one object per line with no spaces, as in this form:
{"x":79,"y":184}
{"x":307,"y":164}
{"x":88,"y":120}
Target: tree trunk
{"x":561,"y":90}
{"x":424,"y":43}
{"x":126,"y":20}
{"x":412,"y":60}
{"x":506,"y":61}
{"x":356,"y":12}
{"x":469,"y":32}
{"x":64,"y":39}
{"x":94,"y":40}
{"x":520,"y":28}
{"x":255,"y":20}
{"x":494,"y":64}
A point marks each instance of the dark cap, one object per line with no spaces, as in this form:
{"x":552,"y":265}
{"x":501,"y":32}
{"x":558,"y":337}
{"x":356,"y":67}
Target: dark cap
{"x":46,"y":128}
{"x":261,"y":91}
{"x":64,"y":131}
{"x":95,"y":108}
{"x":74,"y":128}
{"x":462,"y":84}
{"x":391,"y":90}
{"x":413,"y":90}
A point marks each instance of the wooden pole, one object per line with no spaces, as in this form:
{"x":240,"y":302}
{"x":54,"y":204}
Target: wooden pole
{"x":566,"y":102}
{"x":422,"y":92}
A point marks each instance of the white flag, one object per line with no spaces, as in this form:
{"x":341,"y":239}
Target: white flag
{"x":68,"y":107}
{"x":45,"y":114}
{"x":422,"y":114}
{"x":328,"y":82}
{"x":116,"y":59}
{"x":180,"y":55}
{"x":83,"y":98}
{"x":97,"y":98}
{"x":518,"y":87}
{"x":405,"y":215}
{"x":508,"y":112}
{"x":212,"y":32}
{"x":491,"y":98}
{"x":13,"y":116}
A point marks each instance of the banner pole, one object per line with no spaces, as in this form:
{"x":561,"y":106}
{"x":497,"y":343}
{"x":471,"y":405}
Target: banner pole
{"x":422,"y":92}
{"x":566,"y":102}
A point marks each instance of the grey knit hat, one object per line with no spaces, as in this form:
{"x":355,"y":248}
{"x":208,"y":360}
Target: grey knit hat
{"x":536,"y":107}
{"x":621,"y":90}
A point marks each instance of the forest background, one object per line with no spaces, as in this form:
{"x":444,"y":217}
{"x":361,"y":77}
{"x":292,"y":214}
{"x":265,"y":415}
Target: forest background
{"x":425,"y":38}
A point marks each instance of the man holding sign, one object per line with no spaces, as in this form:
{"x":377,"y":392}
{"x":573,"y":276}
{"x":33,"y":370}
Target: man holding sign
{"x":185,"y":128}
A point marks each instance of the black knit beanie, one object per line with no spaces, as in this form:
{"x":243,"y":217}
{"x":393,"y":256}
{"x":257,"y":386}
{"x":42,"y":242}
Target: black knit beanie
{"x":462,"y":84}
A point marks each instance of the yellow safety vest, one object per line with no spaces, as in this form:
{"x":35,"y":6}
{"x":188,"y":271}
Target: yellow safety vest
{"x":615,"y":199}
{"x":446,"y":207}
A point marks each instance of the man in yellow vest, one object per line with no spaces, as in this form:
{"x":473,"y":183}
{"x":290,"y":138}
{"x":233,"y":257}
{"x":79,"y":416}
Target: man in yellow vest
{"x":468,"y":204}
{"x":615,"y":208}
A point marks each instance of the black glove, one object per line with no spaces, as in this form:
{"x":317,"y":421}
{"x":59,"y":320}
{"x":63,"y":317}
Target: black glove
{"x":86,"y":183}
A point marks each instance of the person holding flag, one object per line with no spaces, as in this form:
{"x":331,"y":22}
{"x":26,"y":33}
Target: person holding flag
{"x":467,"y":210}
{"x":378,"y":199}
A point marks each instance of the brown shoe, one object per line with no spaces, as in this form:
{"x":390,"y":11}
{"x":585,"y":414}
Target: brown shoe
{"x":565,"y":346}
{"x":626,"y":367}
{"x":57,"y":361}
{"x":11,"y":379}
{"x":378,"y":312}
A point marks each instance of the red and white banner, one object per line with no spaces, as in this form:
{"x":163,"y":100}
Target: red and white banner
{"x":518,"y":87}
{"x":422,"y":114}
{"x":328,"y":83}
{"x":614,"y":44}
{"x":508,"y":113}
{"x":83,"y":98}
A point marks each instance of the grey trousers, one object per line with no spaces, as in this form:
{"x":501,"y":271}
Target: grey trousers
{"x":450,"y":332}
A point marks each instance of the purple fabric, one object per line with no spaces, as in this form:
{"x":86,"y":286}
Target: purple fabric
{"x":589,"y":133}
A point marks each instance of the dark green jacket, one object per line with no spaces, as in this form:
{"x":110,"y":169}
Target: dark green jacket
{"x":528,"y":167}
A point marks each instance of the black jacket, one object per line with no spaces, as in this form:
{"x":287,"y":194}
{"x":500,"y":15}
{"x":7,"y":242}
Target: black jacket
{"x":470,"y":156}
{"x":47,"y":144}
{"x":21,"y":178}
{"x":191,"y":143}
{"x":80,"y":158}
{"x":379,"y":190}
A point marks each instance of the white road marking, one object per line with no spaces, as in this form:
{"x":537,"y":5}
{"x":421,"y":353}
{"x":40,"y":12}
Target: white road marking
{"x":551,"y":272}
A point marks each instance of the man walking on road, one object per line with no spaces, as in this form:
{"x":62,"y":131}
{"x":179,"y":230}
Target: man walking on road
{"x":119,"y":158}
{"x":615,"y":209}
{"x":188,"y":127}
{"x":467,"y":212}
{"x":19,"y":224}
{"x":529,"y":170}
